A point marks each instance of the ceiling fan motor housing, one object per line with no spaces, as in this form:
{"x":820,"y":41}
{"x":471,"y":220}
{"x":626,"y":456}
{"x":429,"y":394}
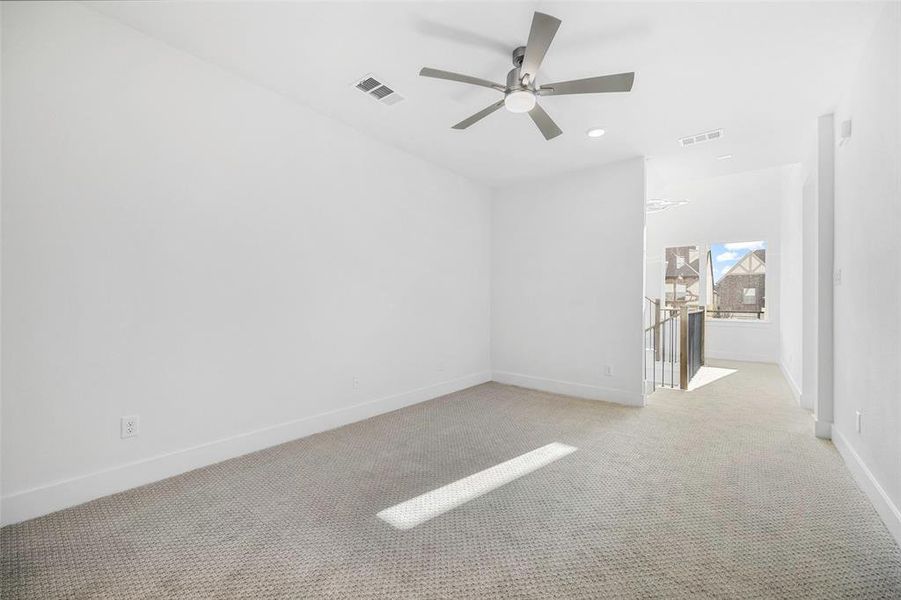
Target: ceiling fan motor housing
{"x":514,"y":77}
{"x":515,"y":81}
{"x":520,"y":96}
{"x":518,"y":54}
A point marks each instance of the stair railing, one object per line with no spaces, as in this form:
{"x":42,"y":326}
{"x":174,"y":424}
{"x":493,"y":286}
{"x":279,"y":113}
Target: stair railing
{"x":674,"y":343}
{"x":661,"y":342}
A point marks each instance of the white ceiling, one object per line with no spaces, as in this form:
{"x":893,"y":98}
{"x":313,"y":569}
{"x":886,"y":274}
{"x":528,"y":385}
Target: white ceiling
{"x":763,"y":72}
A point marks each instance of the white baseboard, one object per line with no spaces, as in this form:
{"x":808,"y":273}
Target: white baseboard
{"x":796,"y":391}
{"x":568,"y":388}
{"x":890,"y":513}
{"x":55,"y":496}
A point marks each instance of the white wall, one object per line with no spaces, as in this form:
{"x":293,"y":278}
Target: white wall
{"x":819,"y":224}
{"x":1,"y":279}
{"x":791,"y":305}
{"x":817,"y":236}
{"x":741,"y":207}
{"x":567,"y":283}
{"x":867,"y":303}
{"x":809,"y":282}
{"x":186,"y":246}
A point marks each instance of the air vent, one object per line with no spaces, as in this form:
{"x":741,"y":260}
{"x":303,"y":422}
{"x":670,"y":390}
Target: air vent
{"x":368,"y":84}
{"x":382,"y":92}
{"x":373,"y":87}
{"x":700,"y":138}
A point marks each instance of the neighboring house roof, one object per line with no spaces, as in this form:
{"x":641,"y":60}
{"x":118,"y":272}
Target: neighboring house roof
{"x":752,"y":263}
{"x":688,"y":268}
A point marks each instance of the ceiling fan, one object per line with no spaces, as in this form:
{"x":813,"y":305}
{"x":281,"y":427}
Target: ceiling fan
{"x":522,"y":90}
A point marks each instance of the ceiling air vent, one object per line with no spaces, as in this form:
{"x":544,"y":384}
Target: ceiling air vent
{"x":381,"y":92}
{"x":368,"y":84}
{"x":374,"y":88}
{"x":700,"y":138}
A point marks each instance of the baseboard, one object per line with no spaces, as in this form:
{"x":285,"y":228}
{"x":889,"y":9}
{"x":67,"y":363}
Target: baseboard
{"x":740,"y":357}
{"x":70,"y":492}
{"x":890,"y":513}
{"x":568,"y":388}
{"x":796,"y":391}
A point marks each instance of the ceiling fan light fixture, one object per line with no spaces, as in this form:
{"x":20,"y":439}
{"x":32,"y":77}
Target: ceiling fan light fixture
{"x":519,"y":101}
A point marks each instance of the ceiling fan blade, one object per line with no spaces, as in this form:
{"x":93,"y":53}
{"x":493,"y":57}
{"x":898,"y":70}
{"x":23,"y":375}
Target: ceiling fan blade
{"x":547,"y":126}
{"x":479,"y":115}
{"x":544,"y":28}
{"x":439,"y":74}
{"x":621,"y":82}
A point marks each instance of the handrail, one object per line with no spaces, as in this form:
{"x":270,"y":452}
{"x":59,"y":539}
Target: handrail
{"x":737,"y":312}
{"x":675,"y":334}
{"x":661,"y":347}
{"x":662,"y":322}
{"x":691,"y":308}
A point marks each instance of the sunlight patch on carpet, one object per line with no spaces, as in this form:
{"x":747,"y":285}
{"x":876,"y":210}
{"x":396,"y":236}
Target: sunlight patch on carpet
{"x":420,"y":509}
{"x":707,"y":375}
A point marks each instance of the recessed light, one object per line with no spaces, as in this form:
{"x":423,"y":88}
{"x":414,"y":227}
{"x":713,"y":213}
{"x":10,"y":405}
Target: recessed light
{"x":724,"y":157}
{"x":595,"y":133}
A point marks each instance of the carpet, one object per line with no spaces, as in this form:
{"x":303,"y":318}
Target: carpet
{"x":722,"y":492}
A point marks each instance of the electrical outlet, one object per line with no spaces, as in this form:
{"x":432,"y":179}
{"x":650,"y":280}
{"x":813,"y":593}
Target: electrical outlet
{"x":838,"y":277}
{"x":129,"y":426}
{"x":608,"y":371}
{"x":356,"y":383}
{"x":857,"y":422}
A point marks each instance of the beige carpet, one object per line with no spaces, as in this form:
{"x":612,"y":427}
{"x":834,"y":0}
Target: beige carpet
{"x":718,"y":493}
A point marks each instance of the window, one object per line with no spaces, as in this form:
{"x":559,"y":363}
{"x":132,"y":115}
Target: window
{"x":682,"y":279}
{"x":738,"y":270}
